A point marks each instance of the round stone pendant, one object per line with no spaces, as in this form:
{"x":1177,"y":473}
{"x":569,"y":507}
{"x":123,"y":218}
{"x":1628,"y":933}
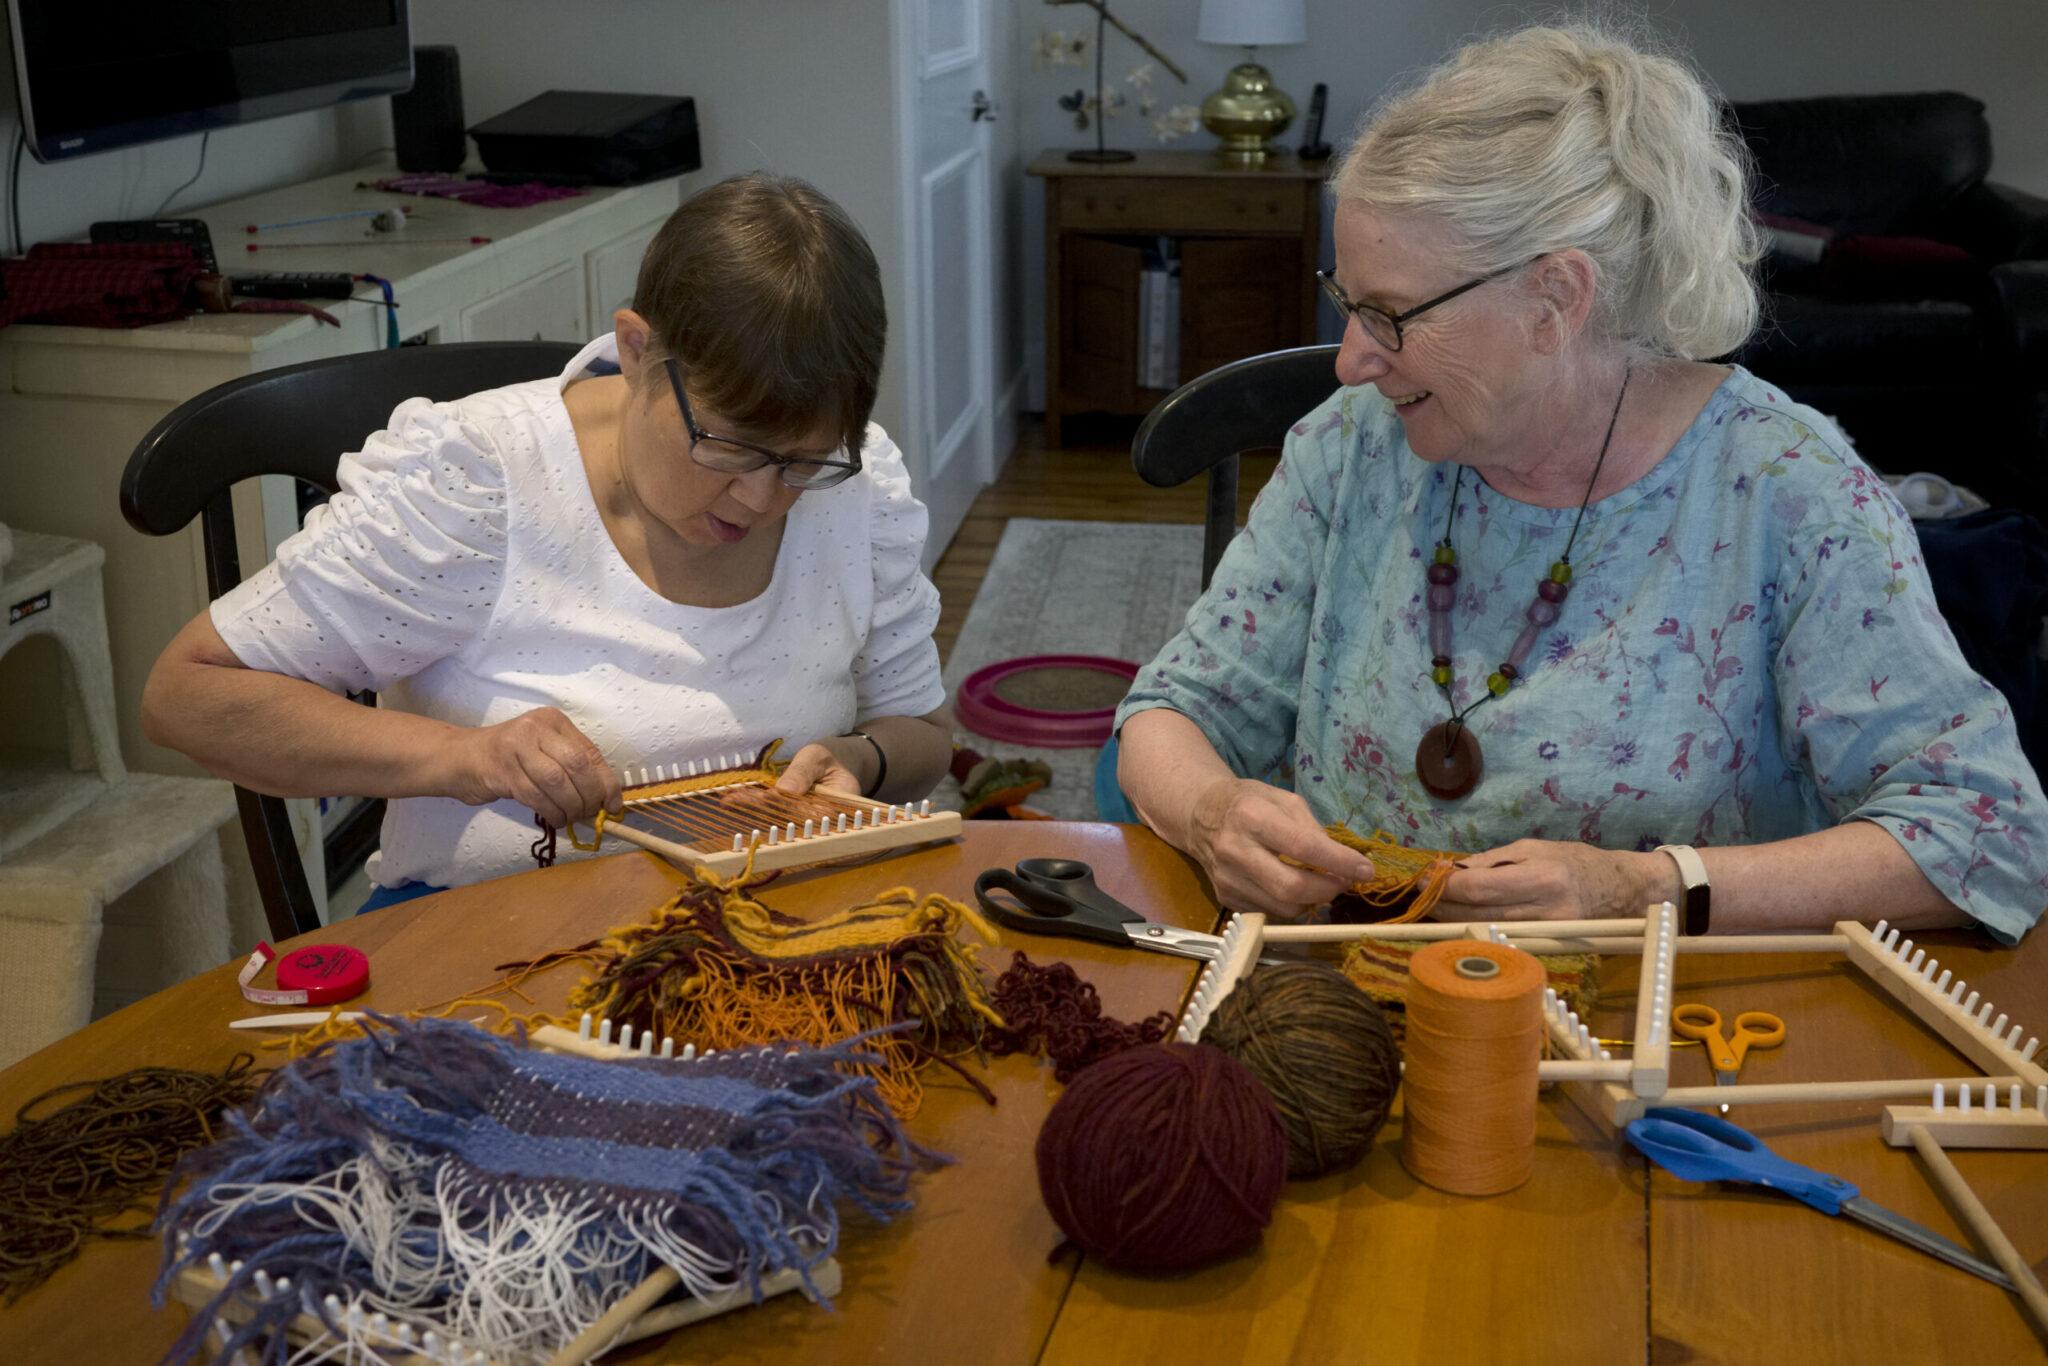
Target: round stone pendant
{"x":1448,"y":767}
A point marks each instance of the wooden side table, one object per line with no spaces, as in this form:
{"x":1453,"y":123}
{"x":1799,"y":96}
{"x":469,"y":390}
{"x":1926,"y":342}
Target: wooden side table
{"x":1249,"y":239}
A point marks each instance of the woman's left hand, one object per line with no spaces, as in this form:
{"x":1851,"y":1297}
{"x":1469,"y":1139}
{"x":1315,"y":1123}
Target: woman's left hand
{"x":1556,"y":880}
{"x":817,"y":765}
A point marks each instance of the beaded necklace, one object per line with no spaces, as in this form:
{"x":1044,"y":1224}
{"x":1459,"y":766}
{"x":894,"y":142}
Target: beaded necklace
{"x":1448,"y":760}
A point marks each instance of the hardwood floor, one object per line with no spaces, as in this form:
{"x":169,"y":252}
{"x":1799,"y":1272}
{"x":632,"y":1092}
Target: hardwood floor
{"x":1079,"y":483}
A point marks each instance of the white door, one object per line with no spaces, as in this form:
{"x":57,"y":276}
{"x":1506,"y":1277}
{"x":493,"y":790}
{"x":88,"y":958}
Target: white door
{"x":948,"y":334}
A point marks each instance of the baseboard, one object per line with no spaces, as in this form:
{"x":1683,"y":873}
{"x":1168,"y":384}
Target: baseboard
{"x":1008,"y":418}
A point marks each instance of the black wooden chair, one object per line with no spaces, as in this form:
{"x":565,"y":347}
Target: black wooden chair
{"x":1207,"y":423}
{"x":297,"y":421}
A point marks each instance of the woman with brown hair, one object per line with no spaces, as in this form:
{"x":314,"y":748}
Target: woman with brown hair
{"x":691,"y":542}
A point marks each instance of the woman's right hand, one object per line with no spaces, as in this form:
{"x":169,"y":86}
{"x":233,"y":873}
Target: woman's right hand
{"x":539,"y":759}
{"x":1241,"y":831}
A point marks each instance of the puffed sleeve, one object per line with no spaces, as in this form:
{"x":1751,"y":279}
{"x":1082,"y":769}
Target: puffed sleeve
{"x":399,"y":569}
{"x":1890,"y":722}
{"x":896,"y":672}
{"x":1236,"y":667}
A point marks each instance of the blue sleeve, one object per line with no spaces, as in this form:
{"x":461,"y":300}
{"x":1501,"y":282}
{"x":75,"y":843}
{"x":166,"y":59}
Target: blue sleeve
{"x":1236,"y":668}
{"x":1892,"y":725}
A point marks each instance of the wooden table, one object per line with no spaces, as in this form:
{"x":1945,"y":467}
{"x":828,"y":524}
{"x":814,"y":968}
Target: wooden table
{"x":1591,"y":1261}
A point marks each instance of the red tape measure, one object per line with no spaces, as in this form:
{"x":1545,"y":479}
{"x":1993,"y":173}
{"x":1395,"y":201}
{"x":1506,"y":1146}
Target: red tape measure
{"x":316,"y":975}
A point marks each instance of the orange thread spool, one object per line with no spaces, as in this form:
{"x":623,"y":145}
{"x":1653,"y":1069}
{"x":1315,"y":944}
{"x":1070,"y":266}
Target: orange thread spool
{"x":1475,"y":1034}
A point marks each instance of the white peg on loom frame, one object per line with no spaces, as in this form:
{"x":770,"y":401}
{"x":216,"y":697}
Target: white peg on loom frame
{"x":789,"y":831}
{"x":810,"y":829}
{"x":775,"y":834}
{"x":842,"y":822}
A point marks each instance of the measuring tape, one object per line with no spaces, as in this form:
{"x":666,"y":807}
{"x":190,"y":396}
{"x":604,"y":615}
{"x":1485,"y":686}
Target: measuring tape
{"x":316,"y":975}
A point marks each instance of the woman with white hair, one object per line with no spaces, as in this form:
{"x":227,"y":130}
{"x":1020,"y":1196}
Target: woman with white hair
{"x":1541,"y":580}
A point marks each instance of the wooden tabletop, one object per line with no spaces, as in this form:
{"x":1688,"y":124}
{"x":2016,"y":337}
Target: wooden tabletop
{"x":1593,"y":1260}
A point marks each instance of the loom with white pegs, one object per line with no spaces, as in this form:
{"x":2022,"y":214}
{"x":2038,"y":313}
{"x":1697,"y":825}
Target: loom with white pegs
{"x":1990,"y":1116}
{"x":401,"y":1342}
{"x":1234,"y":958}
{"x":716,"y":826}
{"x":1976,"y":1028}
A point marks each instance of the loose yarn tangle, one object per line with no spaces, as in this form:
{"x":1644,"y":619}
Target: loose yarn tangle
{"x":508,"y":1196}
{"x":1050,"y":1009}
{"x":1379,"y":968}
{"x":67,"y":1176}
{"x":718,"y":969}
{"x":1412,"y":879}
{"x":1323,"y":1049}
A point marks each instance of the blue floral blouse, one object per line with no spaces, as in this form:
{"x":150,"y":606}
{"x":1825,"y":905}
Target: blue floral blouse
{"x":1750,"y":651}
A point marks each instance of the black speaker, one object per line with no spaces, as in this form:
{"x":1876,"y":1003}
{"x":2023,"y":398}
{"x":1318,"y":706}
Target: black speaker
{"x":426,"y":121}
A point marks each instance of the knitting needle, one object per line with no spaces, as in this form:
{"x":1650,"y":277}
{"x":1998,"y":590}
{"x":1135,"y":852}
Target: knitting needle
{"x":1989,"y":1234}
{"x":367,"y":239}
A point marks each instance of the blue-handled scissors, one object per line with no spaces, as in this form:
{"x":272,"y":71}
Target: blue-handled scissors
{"x":1059,"y":896}
{"x":1706,"y":1148}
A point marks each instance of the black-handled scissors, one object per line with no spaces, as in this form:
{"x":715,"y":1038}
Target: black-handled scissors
{"x":1059,"y":896}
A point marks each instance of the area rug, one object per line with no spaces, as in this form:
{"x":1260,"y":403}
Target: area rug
{"x":1119,"y":589}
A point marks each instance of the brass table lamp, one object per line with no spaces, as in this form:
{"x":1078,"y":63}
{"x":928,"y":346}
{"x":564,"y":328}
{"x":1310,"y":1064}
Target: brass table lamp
{"x":1248,"y":112}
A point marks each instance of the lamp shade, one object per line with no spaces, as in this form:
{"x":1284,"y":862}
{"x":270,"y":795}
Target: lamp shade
{"x":1253,"y":23}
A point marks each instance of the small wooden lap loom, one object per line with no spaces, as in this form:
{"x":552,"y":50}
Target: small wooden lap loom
{"x":716,"y":814}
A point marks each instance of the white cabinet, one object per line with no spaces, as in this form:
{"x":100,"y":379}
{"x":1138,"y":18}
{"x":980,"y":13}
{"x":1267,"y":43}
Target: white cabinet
{"x":610,"y":272}
{"x":74,"y":401}
{"x":549,"y":307}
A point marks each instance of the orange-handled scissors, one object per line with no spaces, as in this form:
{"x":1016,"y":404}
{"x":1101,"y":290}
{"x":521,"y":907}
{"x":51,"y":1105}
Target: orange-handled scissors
{"x":1753,"y":1029}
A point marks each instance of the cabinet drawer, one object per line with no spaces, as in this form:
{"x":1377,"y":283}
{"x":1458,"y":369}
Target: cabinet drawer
{"x":1149,"y":205}
{"x":548,"y":307}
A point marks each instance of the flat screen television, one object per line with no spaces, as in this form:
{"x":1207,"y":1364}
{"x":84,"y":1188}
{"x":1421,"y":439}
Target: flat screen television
{"x":95,"y":75}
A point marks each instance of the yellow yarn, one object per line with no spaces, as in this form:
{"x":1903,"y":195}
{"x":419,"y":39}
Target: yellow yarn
{"x":765,"y":771}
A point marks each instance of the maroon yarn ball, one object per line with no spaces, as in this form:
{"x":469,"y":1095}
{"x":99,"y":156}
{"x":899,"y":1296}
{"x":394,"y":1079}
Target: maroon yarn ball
{"x":1162,"y":1158}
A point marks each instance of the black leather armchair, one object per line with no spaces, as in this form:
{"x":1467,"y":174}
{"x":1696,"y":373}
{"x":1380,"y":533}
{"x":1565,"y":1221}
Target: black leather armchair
{"x":1922,"y":326}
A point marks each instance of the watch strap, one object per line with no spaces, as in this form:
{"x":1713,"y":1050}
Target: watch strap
{"x":1695,"y":913}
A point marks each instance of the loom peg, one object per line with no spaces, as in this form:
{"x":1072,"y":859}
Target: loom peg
{"x":668,"y":1046}
{"x":842,"y":821}
{"x":1963,"y":1100}
{"x":775,"y":834}
{"x":625,"y":1035}
{"x":2033,"y":1047}
{"x":404,"y":1333}
{"x":789,"y":832}
{"x":1879,"y":929}
{"x":1940,"y":1098}
{"x":924,"y":808}
{"x":1942,"y":985}
{"x":216,"y":1265}
{"x":1984,"y":1014}
{"x":1919,"y":957}
{"x":647,"y":1044}
{"x":810,"y":829}
{"x":604,"y":1030}
{"x":2013,"y":1039}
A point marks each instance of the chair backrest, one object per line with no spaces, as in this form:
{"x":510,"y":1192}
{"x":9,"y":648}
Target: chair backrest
{"x":1204,"y":426}
{"x":297,"y":421}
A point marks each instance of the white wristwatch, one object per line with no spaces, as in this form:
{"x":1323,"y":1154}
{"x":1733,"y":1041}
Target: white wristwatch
{"x":1692,"y":872}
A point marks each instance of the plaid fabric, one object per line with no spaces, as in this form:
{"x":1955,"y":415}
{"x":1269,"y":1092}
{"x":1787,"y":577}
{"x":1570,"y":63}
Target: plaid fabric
{"x":93,"y":284}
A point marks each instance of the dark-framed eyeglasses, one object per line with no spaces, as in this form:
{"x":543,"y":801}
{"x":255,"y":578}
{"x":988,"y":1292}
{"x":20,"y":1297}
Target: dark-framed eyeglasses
{"x":1384,"y":327}
{"x":730,"y":455}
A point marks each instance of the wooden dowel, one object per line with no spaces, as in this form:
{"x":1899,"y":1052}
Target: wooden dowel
{"x":825,"y":1276}
{"x":1794,"y":1092}
{"x":1430,"y":930}
{"x":1984,"y":1226}
{"x":600,"y":1335}
{"x":1582,"y":1069}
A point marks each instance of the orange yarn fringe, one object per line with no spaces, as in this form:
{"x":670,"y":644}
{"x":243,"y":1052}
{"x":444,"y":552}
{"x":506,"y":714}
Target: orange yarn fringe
{"x":1416,"y":876}
{"x":718,"y":969}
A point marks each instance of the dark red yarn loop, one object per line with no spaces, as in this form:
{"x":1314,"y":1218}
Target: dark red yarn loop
{"x":1051,"y":1010}
{"x":1163,"y":1158}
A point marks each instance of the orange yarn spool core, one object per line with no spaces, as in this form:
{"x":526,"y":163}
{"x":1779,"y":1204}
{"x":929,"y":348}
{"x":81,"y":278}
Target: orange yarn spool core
{"x":1475,"y":1035}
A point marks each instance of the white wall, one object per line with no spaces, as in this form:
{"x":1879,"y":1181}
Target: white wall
{"x":795,"y":86}
{"x":1995,"y":50}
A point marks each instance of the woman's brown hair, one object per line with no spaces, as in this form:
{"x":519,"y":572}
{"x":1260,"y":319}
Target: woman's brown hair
{"x":769,"y":296}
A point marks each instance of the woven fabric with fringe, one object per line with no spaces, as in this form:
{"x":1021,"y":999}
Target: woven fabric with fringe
{"x":718,"y":969}
{"x":432,"y":1171}
{"x":1380,"y":968}
{"x":764,"y":770}
{"x":1408,"y":881}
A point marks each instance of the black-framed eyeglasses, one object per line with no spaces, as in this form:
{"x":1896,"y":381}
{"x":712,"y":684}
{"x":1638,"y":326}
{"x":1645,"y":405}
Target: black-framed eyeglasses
{"x":730,"y":455}
{"x":1384,"y":327}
